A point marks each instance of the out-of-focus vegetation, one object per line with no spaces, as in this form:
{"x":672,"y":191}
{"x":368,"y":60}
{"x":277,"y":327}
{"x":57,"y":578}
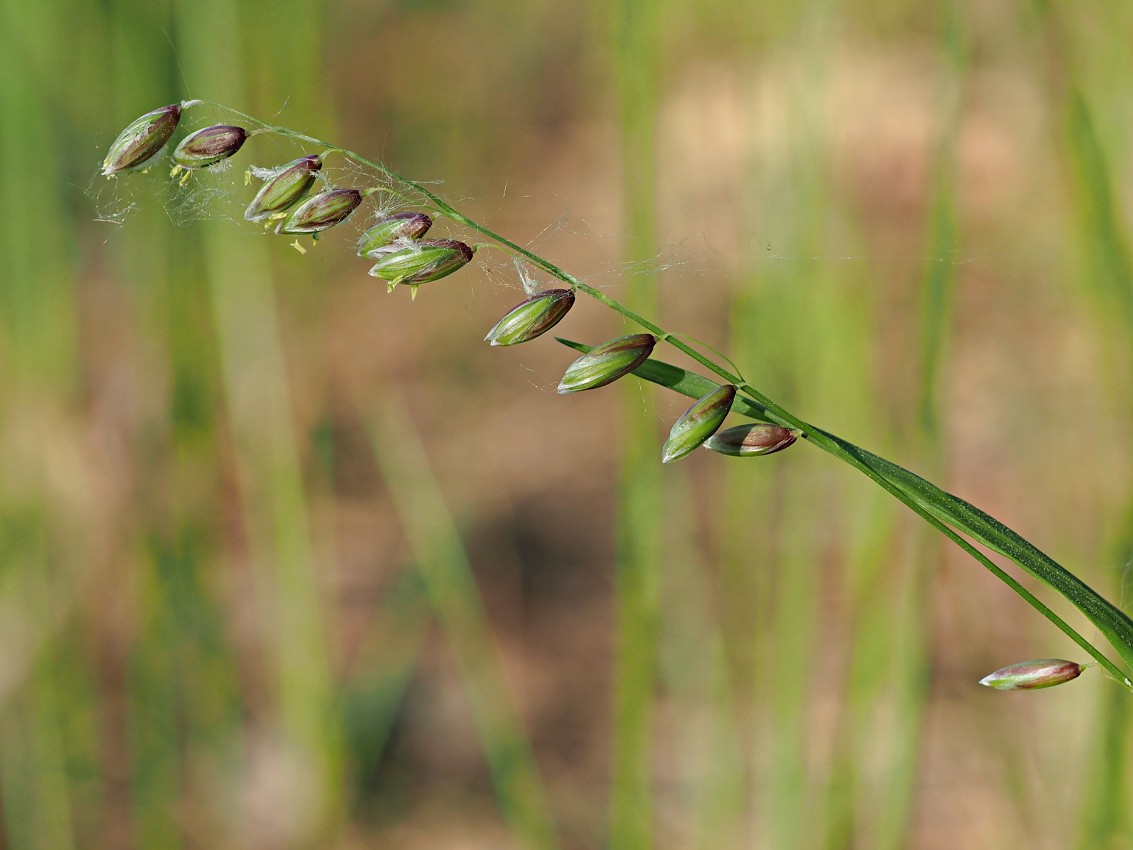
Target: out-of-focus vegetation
{"x":288,"y":562}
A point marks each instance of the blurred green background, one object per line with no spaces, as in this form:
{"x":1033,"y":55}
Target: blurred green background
{"x":288,"y":562}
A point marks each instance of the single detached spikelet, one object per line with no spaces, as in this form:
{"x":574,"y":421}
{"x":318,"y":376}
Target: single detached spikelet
{"x":535,"y":316}
{"x":284,"y":189}
{"x":750,"y":440}
{"x":413,"y":263}
{"x":390,"y":228}
{"x":321,"y":211}
{"x":209,"y":146}
{"x":698,"y":423}
{"x":607,"y":362}
{"x":1032,"y":675}
{"x":143,"y":138}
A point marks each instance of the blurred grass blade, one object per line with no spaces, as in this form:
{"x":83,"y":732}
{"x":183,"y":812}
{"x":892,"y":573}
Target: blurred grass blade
{"x":451,"y":588}
{"x":634,"y":40}
{"x":372,"y":702}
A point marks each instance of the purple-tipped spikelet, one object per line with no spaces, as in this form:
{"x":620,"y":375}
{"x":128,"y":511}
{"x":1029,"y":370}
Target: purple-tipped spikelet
{"x":209,"y":146}
{"x":757,"y":438}
{"x":698,"y":423}
{"x":321,"y":211}
{"x":143,"y":138}
{"x":284,"y":189}
{"x":413,"y":263}
{"x":535,"y":316}
{"x":389,"y":229}
{"x":607,"y":362}
{"x":1032,"y":675}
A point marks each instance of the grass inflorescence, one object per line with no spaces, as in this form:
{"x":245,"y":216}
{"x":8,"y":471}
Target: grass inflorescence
{"x":402,"y":256}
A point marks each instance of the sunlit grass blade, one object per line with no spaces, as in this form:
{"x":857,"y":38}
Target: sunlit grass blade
{"x":951,"y":514}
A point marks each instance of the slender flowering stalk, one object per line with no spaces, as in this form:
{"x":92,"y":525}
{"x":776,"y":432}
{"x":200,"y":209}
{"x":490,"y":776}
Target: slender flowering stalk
{"x":953,"y":517}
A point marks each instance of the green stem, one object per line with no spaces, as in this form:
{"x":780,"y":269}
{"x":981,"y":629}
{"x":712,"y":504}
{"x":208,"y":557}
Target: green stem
{"x":943,"y":511}
{"x":897,"y":481}
{"x":444,"y":208}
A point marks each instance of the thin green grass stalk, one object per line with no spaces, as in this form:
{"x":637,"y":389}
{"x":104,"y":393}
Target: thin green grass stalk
{"x":744,"y":544}
{"x":1103,"y":230}
{"x":1105,"y":820}
{"x":802,"y":300}
{"x":37,"y":310}
{"x":639,"y":528}
{"x":950,"y":515}
{"x":943,"y":511}
{"x":913,"y":596}
{"x":376,"y":677}
{"x":133,"y":807}
{"x":43,"y":819}
{"x":696,"y":733}
{"x":853,"y":806}
{"x":39,"y":698}
{"x":271,"y":489}
{"x":699,"y":721}
{"x":153,"y":691}
{"x":911,"y":679}
{"x":185,"y":695}
{"x":939,"y":280}
{"x":1107,"y":276}
{"x":796,"y":300}
{"x":446,"y":574}
{"x":38,"y":340}
{"x":721,"y":801}
{"x":186,"y":704}
{"x":748,"y":542}
{"x":372,"y":701}
{"x":260,"y":416}
{"x":168,"y":686}
{"x":787,"y":690}
{"x":751,"y":533}
{"x":770,"y":562}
